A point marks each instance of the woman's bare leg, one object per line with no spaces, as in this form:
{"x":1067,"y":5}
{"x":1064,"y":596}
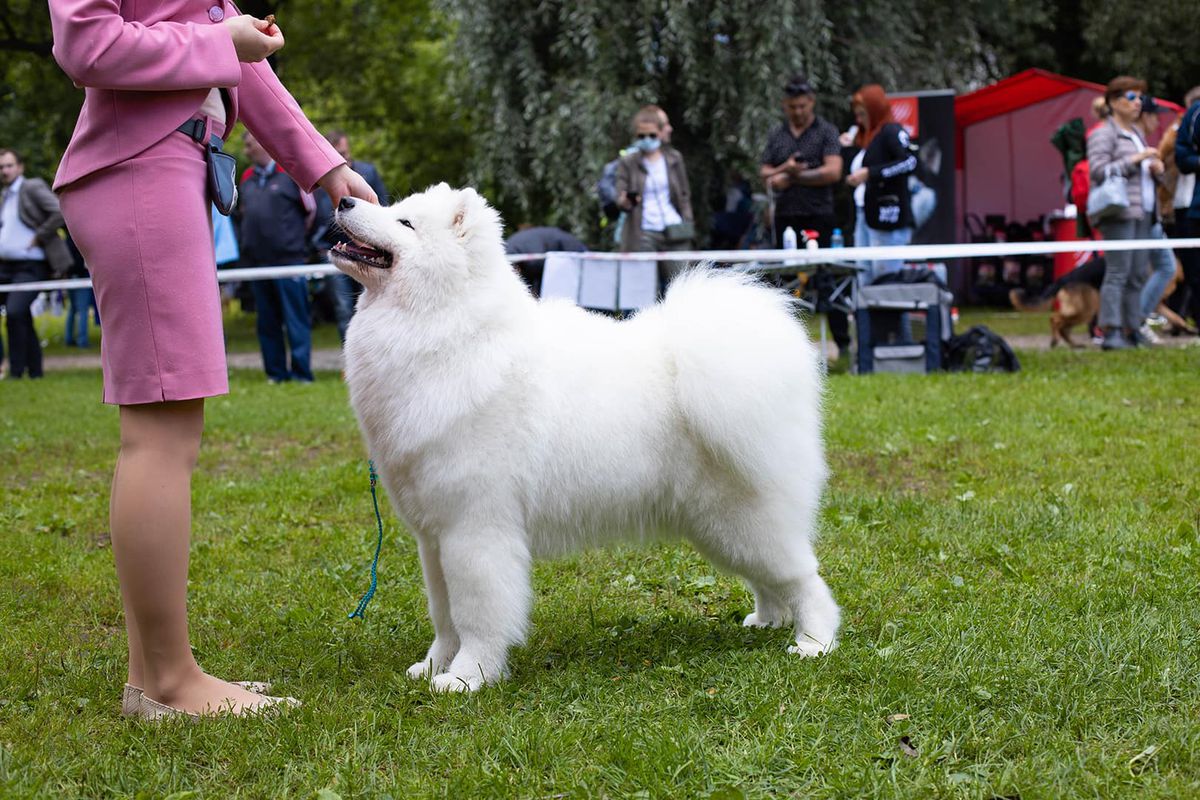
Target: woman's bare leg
{"x":150,"y":516}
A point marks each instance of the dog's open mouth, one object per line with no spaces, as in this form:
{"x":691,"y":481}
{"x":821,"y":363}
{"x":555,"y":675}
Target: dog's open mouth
{"x":363,"y":254}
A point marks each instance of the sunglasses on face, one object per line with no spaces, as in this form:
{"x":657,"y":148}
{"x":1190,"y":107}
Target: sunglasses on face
{"x":1131,"y":96}
{"x":647,"y":136}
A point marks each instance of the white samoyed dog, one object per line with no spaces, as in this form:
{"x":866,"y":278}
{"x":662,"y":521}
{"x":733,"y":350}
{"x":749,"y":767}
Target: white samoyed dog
{"x":504,"y":428}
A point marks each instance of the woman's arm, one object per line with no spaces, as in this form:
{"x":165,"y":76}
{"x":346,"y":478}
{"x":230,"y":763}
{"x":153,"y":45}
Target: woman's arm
{"x":276,"y":120}
{"x":685,"y":192}
{"x":96,"y":47}
{"x":900,"y":161}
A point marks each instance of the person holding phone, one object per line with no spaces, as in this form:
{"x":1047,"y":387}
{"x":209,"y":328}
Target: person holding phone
{"x":800,"y":163}
{"x":652,"y":188}
{"x":160,"y":81}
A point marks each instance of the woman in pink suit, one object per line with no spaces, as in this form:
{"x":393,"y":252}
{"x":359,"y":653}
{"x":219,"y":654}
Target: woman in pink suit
{"x":133,"y":189}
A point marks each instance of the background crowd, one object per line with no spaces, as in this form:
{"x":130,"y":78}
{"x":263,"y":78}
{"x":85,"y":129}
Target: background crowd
{"x":859,"y":186}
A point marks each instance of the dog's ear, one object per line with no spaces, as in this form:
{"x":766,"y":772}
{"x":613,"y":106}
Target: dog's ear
{"x":468,"y":209}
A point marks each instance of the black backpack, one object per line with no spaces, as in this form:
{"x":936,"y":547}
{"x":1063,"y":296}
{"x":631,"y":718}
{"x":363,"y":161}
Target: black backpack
{"x":980,"y":350}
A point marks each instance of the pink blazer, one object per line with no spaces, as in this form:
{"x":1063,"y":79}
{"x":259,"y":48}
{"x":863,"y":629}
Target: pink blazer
{"x":146,"y":67}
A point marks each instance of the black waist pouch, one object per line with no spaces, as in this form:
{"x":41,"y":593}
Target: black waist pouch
{"x":222,"y":176}
{"x":222,"y":167}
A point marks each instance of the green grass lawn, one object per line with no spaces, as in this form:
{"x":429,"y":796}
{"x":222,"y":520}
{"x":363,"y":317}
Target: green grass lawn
{"x":1016,"y":557}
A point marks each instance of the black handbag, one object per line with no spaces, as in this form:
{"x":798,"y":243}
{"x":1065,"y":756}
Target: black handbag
{"x":222,"y":167}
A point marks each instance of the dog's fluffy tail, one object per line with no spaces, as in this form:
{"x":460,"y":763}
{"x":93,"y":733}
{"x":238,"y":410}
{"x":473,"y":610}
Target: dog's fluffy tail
{"x":748,"y":379}
{"x":1022,"y":301}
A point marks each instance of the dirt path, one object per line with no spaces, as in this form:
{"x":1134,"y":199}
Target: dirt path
{"x":332,"y":359}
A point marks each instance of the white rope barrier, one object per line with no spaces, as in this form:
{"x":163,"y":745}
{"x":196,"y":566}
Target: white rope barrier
{"x":749,"y":260}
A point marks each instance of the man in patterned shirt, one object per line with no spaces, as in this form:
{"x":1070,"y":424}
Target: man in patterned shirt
{"x":800,"y":164}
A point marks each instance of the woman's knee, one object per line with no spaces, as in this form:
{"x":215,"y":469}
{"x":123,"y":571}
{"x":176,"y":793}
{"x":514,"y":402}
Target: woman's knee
{"x":171,"y":430}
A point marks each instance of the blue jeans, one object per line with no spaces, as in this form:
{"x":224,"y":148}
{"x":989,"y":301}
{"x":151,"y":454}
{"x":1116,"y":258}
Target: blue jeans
{"x":1162,"y":271}
{"x":865,"y":236}
{"x":342,"y":286}
{"x":282,"y":306}
{"x":896,"y":238}
{"x":79,"y":302}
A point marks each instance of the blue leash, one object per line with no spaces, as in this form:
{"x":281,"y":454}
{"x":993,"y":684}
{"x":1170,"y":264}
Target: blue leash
{"x":366,"y":598}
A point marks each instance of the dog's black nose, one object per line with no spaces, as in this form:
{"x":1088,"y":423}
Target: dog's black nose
{"x":345,"y":204}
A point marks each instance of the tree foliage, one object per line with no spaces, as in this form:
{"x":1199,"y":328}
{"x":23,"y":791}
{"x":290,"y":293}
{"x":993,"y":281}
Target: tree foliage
{"x":1157,"y":43}
{"x":378,"y":70}
{"x":559,"y":81}
{"x":38,"y":104}
{"x":529,"y":98}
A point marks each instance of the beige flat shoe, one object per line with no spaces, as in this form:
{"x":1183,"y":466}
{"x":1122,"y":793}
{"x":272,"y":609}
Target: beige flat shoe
{"x":153,"y":711}
{"x":130,"y":698}
{"x":131,"y":695}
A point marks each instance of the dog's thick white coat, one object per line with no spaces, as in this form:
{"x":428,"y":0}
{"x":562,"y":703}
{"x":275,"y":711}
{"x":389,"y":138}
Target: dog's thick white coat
{"x":506,"y":429}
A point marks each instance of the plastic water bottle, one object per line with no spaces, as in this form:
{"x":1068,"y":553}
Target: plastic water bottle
{"x":836,"y":239}
{"x":790,"y":243}
{"x":789,"y":238}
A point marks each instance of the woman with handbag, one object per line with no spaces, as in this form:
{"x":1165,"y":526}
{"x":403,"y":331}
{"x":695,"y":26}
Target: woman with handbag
{"x":162,"y":83}
{"x":879,"y":176}
{"x":653,"y":190}
{"x":1121,"y":205}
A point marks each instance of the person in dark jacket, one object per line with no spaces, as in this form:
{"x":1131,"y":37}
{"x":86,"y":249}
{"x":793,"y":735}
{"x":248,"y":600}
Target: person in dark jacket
{"x":530,"y":240}
{"x":887,"y":162}
{"x":30,"y":250}
{"x":275,"y":217}
{"x":1187,"y":220}
{"x":339,"y":290}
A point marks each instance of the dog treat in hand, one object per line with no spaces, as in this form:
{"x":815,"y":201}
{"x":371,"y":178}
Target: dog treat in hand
{"x":270,"y":20}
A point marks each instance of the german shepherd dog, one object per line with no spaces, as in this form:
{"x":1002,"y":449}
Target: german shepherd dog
{"x":1078,"y":296}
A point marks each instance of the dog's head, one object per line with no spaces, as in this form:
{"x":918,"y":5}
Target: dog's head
{"x":423,"y":251}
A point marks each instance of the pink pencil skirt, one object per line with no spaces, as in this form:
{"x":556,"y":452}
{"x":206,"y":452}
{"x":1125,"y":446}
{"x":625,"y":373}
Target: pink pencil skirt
{"x":144,"y":228}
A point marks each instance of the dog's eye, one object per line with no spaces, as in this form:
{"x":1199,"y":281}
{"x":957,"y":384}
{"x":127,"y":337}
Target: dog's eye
{"x":406,"y":224}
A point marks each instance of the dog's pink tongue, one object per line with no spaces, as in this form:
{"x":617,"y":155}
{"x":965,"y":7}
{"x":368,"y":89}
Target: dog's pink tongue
{"x":362,"y":250}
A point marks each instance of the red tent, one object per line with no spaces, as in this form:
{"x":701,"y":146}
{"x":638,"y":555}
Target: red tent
{"x":1006,"y":164}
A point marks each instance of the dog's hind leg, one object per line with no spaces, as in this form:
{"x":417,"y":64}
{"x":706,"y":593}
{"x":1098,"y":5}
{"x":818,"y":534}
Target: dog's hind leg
{"x":790,"y":574}
{"x":487,"y":574}
{"x":772,"y":552}
{"x":445,"y":638}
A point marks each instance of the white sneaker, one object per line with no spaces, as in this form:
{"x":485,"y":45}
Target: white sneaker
{"x":1157,"y":320}
{"x":1149,"y":335}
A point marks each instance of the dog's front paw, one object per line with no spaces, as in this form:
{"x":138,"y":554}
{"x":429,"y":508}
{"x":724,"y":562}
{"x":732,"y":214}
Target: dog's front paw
{"x":811,"y":647}
{"x":755,"y":620}
{"x":422,"y":670}
{"x":449,"y":682}
{"x":437,"y":660}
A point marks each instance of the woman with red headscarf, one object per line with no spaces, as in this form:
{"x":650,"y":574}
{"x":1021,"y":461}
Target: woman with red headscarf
{"x":879,"y":175}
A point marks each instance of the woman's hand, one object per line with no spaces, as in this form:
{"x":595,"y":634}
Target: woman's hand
{"x":1149,"y":152}
{"x":1156,"y":165}
{"x":253,"y":39}
{"x":341,"y":181}
{"x":858,"y":177}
